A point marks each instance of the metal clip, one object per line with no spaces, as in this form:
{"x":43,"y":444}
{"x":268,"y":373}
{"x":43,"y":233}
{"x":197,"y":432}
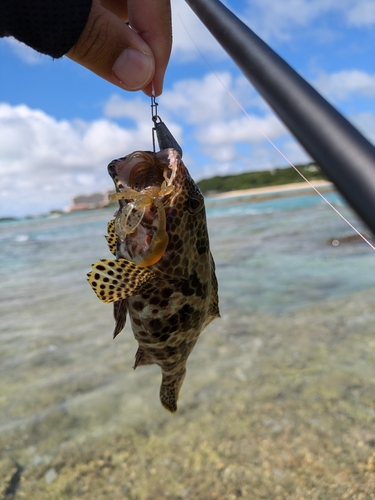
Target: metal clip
{"x":163,"y":134}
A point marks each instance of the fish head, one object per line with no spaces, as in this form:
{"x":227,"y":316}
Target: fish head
{"x":161,"y":220}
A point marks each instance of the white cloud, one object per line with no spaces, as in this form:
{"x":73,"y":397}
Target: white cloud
{"x":200,"y":100}
{"x":134,"y":108}
{"x":244,"y":129}
{"x":365,"y":122}
{"x":224,"y":153}
{"x":280,"y":20}
{"x":219,"y":96}
{"x":190,"y":36}
{"x":44,"y":162}
{"x":295,"y":153}
{"x":277,"y":20}
{"x":341,"y":84}
{"x":361,"y":13}
{"x":23,"y":52}
{"x":219,"y":124}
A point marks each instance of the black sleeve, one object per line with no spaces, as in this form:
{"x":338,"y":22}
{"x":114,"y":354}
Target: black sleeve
{"x":49,"y":26}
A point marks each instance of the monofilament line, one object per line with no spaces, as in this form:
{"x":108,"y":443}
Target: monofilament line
{"x":295,"y":168}
{"x":277,"y":149}
{"x":154,"y":115}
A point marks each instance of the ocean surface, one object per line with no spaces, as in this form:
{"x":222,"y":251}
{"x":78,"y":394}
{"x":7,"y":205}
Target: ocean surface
{"x":288,"y":268}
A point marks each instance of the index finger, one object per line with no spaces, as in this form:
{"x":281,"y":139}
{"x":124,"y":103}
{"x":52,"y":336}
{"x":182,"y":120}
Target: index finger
{"x":151,"y":19}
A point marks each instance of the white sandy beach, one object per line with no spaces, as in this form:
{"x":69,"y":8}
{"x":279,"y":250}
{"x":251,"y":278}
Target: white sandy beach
{"x":270,"y":190}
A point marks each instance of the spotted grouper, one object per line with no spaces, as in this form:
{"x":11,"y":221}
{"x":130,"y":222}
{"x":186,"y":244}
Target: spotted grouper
{"x":163,"y":273}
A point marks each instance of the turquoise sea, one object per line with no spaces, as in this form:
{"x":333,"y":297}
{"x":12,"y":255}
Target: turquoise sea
{"x":297,"y":290}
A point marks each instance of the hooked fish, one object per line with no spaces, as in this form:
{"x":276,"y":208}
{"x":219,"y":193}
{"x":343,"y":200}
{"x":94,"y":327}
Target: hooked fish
{"x":163,"y":273}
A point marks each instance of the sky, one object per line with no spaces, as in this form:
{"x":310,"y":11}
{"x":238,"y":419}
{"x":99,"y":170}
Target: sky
{"x":61,"y":125}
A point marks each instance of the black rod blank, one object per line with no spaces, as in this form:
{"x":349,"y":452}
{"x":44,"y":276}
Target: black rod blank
{"x":346,"y":157}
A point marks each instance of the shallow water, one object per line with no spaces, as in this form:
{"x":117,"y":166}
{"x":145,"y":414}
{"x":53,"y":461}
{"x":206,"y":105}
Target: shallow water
{"x":296,"y":326}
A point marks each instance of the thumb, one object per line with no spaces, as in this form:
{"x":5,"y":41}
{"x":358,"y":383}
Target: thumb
{"x":112,"y":50}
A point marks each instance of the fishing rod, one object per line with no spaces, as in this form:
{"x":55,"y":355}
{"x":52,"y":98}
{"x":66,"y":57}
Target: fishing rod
{"x":346,"y":157}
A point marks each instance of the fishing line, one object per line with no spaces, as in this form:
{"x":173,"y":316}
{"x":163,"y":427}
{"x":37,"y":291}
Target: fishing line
{"x":274,"y":145}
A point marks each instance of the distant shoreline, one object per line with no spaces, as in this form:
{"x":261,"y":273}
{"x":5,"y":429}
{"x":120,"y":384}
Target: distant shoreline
{"x":272,"y":191}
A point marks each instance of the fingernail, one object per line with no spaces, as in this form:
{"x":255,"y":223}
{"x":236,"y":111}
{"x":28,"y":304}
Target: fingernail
{"x":134,"y":69}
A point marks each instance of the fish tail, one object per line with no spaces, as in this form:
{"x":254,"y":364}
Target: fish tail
{"x":170,"y":389}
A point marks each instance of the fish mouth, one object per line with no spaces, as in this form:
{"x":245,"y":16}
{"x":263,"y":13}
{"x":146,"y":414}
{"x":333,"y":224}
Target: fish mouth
{"x":145,"y":185}
{"x":141,"y":170}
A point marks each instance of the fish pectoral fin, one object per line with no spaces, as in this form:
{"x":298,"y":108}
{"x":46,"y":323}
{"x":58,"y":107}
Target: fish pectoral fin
{"x":170,"y":389}
{"x":114,"y":280}
{"x":120,"y":310}
{"x":112,"y":237}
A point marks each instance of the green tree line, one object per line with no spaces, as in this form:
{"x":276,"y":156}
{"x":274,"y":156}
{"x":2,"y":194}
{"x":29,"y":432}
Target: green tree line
{"x":262,"y":178}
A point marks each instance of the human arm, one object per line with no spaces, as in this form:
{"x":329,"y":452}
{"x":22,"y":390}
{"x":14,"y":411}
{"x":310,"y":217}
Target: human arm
{"x":95,"y":35}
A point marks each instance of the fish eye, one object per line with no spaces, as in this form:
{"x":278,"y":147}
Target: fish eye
{"x":194,"y":204}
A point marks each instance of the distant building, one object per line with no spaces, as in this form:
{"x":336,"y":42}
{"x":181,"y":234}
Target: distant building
{"x":89,"y":201}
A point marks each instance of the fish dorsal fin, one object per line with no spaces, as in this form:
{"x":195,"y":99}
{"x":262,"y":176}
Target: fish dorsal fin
{"x":214,"y":304}
{"x":112,"y":237}
{"x":118,"y":279}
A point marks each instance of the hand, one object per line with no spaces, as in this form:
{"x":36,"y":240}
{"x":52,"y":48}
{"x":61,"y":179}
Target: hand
{"x":131,"y":58}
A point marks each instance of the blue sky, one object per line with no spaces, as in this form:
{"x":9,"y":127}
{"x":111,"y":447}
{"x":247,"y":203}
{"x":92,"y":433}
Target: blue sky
{"x":60,"y":125}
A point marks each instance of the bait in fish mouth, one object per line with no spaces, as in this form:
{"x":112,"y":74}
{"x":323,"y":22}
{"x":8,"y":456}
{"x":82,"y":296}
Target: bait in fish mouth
{"x":163,"y":272}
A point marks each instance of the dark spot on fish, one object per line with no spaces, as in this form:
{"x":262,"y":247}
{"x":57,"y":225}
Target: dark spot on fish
{"x":200,"y":289}
{"x":94,"y":284}
{"x":110,"y":272}
{"x":164,"y":303}
{"x":137,"y":321}
{"x":155,"y":324}
{"x":184,"y":312}
{"x":97,"y":276}
{"x":102,"y":287}
{"x":154,"y":301}
{"x":194,"y":204}
{"x":179,"y":244}
{"x":178,"y":271}
{"x":166,"y":293}
{"x":100,"y":267}
{"x":111,"y":263}
{"x":106,"y":279}
{"x":186,"y":289}
{"x":172,"y":214}
{"x":173,"y":320}
{"x":202,"y":249}
{"x":164,"y":337}
{"x":138,"y":306}
{"x":176,"y":260}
